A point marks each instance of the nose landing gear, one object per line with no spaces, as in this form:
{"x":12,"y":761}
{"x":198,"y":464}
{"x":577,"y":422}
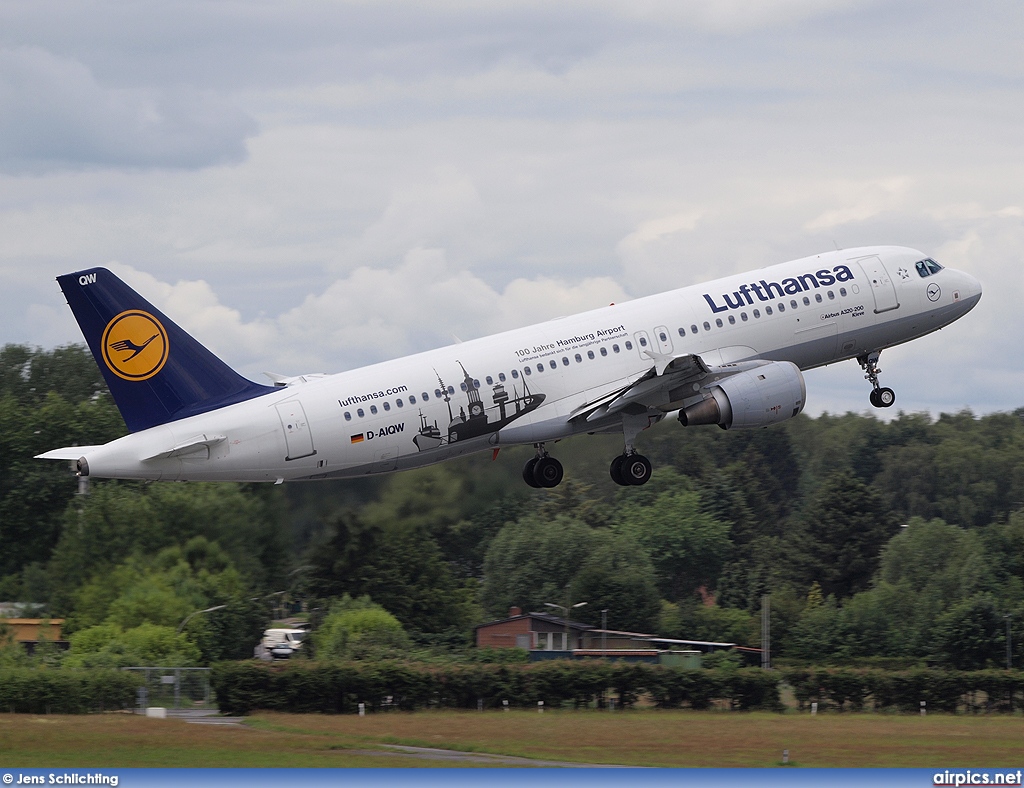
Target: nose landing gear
{"x":880,"y":397}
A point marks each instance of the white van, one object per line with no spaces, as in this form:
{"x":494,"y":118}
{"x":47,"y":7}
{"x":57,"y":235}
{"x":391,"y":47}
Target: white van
{"x":282,"y":643}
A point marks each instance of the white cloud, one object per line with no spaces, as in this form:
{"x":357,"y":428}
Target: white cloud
{"x":54,"y":114}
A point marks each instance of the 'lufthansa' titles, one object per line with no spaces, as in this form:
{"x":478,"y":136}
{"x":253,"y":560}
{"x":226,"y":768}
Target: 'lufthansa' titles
{"x":767,"y":291}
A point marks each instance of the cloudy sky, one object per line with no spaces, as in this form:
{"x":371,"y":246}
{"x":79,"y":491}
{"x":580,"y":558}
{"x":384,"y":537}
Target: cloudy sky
{"x":312,"y":186}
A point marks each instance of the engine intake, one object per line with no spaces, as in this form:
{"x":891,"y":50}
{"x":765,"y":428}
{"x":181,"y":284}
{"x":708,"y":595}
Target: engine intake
{"x":753,"y":398}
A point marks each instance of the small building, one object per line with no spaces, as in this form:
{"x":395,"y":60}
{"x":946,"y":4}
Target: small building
{"x":30,"y":632}
{"x":33,"y":629}
{"x":551,"y":637}
{"x":531,"y":631}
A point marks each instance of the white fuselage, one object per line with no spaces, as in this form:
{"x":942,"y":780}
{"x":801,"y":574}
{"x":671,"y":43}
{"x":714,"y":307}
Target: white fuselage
{"x":524,"y":385}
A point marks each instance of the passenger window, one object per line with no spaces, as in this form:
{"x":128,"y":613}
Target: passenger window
{"x":540,"y":367}
{"x":792,"y":304}
{"x":682,"y":332}
{"x":615,"y":348}
{"x":373,"y":409}
{"x":437,"y":393}
{"x":565,"y":361}
{"x":718,"y":322}
{"x":553,"y":364}
{"x":732,"y":320}
{"x":782,"y":306}
{"x":399,"y":402}
{"x":527,"y":370}
{"x":515,"y":373}
{"x":663,"y":336}
{"x":425,"y":397}
{"x":643,"y":341}
{"x":842,"y":292}
{"x":490,"y":380}
{"x":451,"y":390}
{"x":359,"y":412}
{"x":348,"y":416}
{"x":693,"y":329}
{"x":412,"y":398}
{"x":462,"y":386}
{"x":831,"y":296}
{"x":707,"y":325}
{"x":757,"y":312}
{"x":501,"y":377}
{"x":579,"y":359}
{"x":807,"y":301}
{"x":817,"y":297}
{"x":387,"y":406}
{"x":629,"y":345}
{"x":590,"y":354}
{"x":604,"y":351}
{"x":743,"y":316}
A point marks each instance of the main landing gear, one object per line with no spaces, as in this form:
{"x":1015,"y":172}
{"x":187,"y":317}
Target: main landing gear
{"x":880,"y":397}
{"x":631,"y":468}
{"x":542,"y":470}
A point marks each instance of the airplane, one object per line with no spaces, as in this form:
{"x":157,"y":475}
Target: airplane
{"x":727,"y":352}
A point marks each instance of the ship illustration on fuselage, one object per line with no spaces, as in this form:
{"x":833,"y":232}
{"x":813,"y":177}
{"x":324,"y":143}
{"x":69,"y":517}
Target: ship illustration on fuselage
{"x":479,"y":420}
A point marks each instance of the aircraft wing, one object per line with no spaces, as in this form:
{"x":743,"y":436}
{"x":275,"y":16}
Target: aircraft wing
{"x":670,"y":380}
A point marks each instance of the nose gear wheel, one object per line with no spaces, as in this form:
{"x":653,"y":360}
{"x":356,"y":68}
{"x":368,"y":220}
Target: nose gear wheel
{"x":880,"y":396}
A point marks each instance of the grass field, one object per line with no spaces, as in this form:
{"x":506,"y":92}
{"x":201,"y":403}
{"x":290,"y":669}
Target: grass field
{"x":639,"y":738}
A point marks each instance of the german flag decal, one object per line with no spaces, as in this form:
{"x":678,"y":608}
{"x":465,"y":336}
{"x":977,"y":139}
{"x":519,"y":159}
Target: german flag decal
{"x":357,"y":438}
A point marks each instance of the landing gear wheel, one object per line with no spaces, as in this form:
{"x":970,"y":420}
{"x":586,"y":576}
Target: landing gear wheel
{"x":528,"y":476}
{"x":884,"y":398}
{"x":636,"y":469}
{"x":873,"y":397}
{"x":615,"y":470}
{"x":547,"y":472}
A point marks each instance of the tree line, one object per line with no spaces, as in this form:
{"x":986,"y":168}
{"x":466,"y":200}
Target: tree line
{"x":899,"y":541}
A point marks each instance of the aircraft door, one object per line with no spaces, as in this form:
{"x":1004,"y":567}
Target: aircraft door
{"x":297,"y":437}
{"x":882,"y":287}
{"x":663,"y":340}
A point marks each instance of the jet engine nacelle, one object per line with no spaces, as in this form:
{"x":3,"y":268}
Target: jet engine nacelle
{"x":754,"y":398}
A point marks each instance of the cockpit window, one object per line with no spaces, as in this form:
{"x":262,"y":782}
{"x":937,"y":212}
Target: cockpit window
{"x":927,"y":267}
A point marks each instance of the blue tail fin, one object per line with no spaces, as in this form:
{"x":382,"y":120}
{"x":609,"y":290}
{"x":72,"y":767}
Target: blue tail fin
{"x":156,"y":372}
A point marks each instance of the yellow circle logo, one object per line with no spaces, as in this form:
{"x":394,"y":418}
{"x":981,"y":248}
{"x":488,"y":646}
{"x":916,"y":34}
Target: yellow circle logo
{"x":135,"y":345}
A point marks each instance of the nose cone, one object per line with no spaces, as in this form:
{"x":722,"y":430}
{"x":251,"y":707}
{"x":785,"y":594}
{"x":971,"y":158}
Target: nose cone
{"x":973,"y":290}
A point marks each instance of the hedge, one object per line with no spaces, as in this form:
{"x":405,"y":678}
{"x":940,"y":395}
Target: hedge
{"x":942,"y":690}
{"x":34,"y":691}
{"x":339,"y":688}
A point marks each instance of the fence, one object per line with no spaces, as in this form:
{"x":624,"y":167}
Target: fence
{"x":173,"y":688}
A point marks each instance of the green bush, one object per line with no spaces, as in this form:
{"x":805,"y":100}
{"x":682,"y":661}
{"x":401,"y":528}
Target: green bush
{"x":338,"y":688}
{"x":941,"y":690}
{"x":31,"y":691}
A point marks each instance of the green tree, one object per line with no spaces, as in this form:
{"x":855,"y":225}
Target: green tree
{"x":687,"y":546}
{"x":842,"y":530}
{"x":395,"y":563}
{"x":358,"y":628}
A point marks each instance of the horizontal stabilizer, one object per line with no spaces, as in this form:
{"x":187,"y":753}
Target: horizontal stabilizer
{"x":67,"y":453}
{"x":191,"y":446}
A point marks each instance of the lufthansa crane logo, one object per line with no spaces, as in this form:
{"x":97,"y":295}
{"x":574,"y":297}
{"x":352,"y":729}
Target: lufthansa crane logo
{"x":134,"y":345}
